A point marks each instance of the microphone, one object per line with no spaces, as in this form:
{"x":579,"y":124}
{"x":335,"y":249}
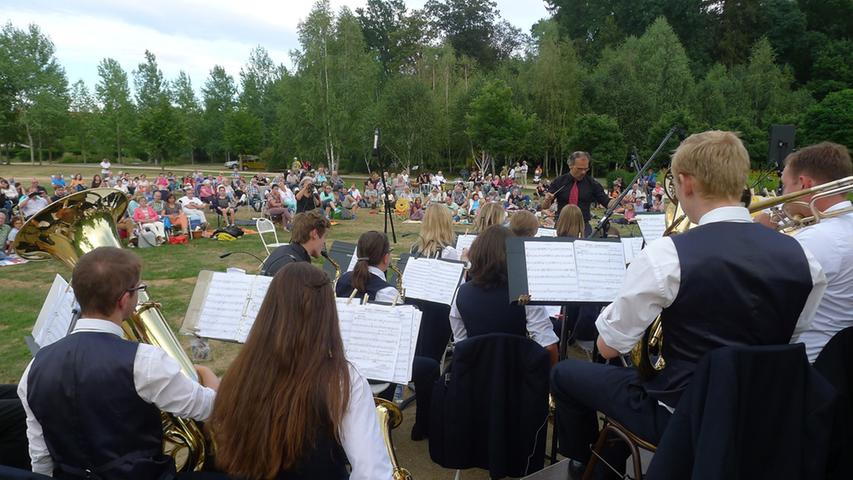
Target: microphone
{"x":228,"y":254}
{"x":376,"y":134}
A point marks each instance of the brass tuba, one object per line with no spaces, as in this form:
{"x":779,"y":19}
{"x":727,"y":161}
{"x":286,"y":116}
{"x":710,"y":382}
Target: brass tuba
{"x":390,"y":417}
{"x":79,"y":223}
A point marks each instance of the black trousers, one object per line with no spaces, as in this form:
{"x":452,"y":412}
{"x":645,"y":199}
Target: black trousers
{"x":14,"y":448}
{"x":581,"y":388}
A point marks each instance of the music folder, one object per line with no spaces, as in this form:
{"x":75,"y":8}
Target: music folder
{"x":652,"y":225}
{"x":344,"y":254}
{"x":432,"y":279}
{"x":56,"y":316}
{"x":559,"y":271}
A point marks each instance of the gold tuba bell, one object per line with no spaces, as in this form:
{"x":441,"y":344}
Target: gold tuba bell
{"x":390,"y":417}
{"x":79,"y":223}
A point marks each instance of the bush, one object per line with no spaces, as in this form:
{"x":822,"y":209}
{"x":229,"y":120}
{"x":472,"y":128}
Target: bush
{"x":601,"y":137}
{"x":830,"y":120}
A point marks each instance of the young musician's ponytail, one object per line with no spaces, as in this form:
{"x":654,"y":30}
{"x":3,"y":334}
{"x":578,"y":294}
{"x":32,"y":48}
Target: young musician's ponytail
{"x":372,"y":247}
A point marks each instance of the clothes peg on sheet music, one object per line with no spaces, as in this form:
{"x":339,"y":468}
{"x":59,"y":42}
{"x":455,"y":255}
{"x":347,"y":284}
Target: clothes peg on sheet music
{"x":351,"y":296}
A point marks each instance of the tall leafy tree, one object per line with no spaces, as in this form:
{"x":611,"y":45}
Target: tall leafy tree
{"x":600,"y":136}
{"x":34,"y":84}
{"x":218,"y":95}
{"x":117,"y":110}
{"x":159,"y":131}
{"x":256,"y":95}
{"x":408,"y":114}
{"x":82,"y":111}
{"x":497,"y":128}
{"x":189,"y":114}
{"x":830,"y":120}
{"x":474,"y":29}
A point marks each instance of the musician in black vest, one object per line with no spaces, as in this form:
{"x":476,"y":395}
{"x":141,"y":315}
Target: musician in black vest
{"x":368,"y":277}
{"x":291,"y":406}
{"x":728,"y":281}
{"x":577,"y":188}
{"x":93,"y":399}
{"x":307,"y":240}
{"x":482,"y":304}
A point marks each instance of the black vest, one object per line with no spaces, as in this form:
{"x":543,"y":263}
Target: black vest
{"x":489,"y":311}
{"x":82,"y":392}
{"x":742,"y":284}
{"x":325,"y":461}
{"x":344,"y":286}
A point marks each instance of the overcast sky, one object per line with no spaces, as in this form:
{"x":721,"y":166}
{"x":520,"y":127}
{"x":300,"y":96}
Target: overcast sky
{"x":190,"y":35}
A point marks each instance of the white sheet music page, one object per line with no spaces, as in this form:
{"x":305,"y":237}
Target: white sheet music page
{"x":631,"y":246}
{"x":372,"y":340}
{"x":257,"y":293}
{"x":601,"y":269}
{"x":551,"y":271}
{"x":225,"y":306}
{"x":464,"y":241}
{"x":55,"y":316}
{"x":652,"y":226}
{"x":431,"y":279}
{"x":546,"y":232}
{"x":353,"y":260}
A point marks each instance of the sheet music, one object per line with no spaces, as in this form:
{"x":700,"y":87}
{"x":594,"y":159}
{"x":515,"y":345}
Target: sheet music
{"x":652,"y":226}
{"x":464,"y":241}
{"x":551,"y":270}
{"x":353,"y":260}
{"x":258,"y":291}
{"x":631,"y":247}
{"x":56,"y":314}
{"x":601,"y":268}
{"x":379,"y":339}
{"x":225,"y":306}
{"x":546,"y":232}
{"x":432,"y":280}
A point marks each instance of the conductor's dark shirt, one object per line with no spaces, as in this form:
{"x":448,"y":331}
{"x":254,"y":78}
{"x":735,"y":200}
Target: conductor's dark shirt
{"x":284,"y":255}
{"x":589,"y":191}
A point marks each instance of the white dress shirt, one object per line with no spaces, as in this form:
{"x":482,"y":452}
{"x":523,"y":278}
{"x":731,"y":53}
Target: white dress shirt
{"x":654,"y":277}
{"x":539,"y":325}
{"x":387,"y":294}
{"x":157,"y":378}
{"x":360,"y":435}
{"x":830,"y":242}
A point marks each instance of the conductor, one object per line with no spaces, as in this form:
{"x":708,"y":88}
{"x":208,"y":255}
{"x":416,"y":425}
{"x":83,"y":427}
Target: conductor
{"x":576,"y":188}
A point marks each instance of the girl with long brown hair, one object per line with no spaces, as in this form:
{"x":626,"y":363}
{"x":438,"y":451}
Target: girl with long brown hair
{"x":291,"y":406}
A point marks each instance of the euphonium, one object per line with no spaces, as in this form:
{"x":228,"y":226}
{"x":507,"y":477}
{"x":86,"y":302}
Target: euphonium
{"x":390,"y":417}
{"x":79,"y":223}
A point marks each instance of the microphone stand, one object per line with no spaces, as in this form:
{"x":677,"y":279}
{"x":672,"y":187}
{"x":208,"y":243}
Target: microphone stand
{"x":612,"y":208}
{"x":389,"y":218}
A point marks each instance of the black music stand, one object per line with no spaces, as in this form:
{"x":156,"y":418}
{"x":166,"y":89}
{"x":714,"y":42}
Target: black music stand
{"x":377,"y":152}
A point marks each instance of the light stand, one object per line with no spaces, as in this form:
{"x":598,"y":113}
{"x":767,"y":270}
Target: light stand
{"x":389,"y":218}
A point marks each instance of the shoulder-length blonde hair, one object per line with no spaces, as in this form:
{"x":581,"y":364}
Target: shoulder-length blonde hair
{"x":290,"y":382}
{"x":570,"y":223}
{"x":436,"y":231}
{"x":489,"y":214}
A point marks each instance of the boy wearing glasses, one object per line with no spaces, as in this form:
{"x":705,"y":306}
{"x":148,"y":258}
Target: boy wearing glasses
{"x":93,"y":399}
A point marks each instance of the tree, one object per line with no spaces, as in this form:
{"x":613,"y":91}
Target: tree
{"x":473,"y":29}
{"x":188,"y":114}
{"x":600,"y":136}
{"x":830,"y":120}
{"x":256,"y":95}
{"x":82,"y":113}
{"x":554,"y":81}
{"x":158,"y":123}
{"x":117,"y":110}
{"x":832,"y":69}
{"x":218,"y":97}
{"x":395,"y":36}
{"x":409,"y":114}
{"x":243,"y":132}
{"x":35,"y":83}
{"x":496,"y":127}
